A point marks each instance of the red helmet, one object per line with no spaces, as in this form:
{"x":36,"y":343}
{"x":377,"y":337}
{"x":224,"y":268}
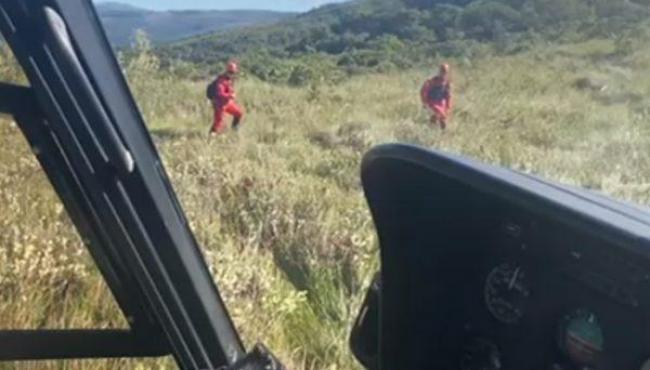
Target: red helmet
{"x":232,"y":67}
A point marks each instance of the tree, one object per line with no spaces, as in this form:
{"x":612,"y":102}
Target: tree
{"x":482,"y":20}
{"x":442,"y":19}
{"x":558,"y":11}
{"x":428,"y":4}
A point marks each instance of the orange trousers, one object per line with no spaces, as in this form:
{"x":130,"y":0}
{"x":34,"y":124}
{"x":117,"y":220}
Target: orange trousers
{"x":220,"y":111}
{"x":439,"y":109}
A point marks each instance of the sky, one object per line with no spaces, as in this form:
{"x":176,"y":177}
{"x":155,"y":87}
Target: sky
{"x":282,"y":5}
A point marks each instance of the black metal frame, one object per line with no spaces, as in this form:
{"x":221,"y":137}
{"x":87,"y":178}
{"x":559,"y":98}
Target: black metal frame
{"x":86,"y":131}
{"x":62,"y":344}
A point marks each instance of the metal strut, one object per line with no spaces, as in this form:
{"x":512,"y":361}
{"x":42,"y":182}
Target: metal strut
{"x":85,"y":129}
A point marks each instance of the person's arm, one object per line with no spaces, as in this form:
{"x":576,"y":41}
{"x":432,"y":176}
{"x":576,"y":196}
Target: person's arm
{"x":424,"y":92}
{"x":224,"y":91}
{"x":450,"y":103}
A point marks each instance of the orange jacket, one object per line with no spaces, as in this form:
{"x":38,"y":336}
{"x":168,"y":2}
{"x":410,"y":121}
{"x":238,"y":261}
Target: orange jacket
{"x":436,"y":90}
{"x":225,"y":90}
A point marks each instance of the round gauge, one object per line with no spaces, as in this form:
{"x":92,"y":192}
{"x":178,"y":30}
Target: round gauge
{"x":506,"y":292}
{"x":582,"y":338}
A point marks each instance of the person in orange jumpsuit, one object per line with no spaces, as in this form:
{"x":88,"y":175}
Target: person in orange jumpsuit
{"x":224,"y":100}
{"x":436,"y":96}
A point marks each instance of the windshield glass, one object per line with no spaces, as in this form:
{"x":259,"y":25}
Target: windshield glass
{"x":262,"y":112}
{"x":263,"y":118}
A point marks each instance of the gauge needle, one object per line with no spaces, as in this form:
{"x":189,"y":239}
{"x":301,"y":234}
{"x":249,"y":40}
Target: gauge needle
{"x":513,"y":281}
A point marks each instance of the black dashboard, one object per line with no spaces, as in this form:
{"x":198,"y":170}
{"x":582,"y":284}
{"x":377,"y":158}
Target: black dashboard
{"x":545,"y":298}
{"x":484,"y":269}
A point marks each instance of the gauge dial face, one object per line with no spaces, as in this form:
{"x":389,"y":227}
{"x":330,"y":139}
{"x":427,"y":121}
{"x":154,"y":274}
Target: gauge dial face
{"x":506,"y":292}
{"x":582,"y":337}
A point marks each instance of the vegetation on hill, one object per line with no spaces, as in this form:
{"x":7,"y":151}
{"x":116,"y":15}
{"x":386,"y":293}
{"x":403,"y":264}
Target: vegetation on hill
{"x":339,"y":40}
{"x":278,"y":207}
{"x":123,"y":21}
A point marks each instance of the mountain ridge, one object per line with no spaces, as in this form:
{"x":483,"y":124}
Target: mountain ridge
{"x":121,"y":22}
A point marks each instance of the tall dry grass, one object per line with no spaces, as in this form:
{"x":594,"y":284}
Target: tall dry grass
{"x":278,"y":207}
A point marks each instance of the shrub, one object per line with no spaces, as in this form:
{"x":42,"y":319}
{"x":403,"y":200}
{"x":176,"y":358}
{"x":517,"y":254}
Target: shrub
{"x":483,"y":20}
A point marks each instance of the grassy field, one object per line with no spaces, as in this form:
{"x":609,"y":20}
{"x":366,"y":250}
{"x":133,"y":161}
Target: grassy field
{"x":278,"y":206}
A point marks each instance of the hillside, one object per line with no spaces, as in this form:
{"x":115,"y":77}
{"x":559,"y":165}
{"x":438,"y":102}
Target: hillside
{"x":122,"y":21}
{"x":381,"y":35}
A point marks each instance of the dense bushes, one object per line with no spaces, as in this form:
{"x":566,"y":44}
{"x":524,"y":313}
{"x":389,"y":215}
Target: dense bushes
{"x":380,"y":35}
{"x":486,"y":20}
